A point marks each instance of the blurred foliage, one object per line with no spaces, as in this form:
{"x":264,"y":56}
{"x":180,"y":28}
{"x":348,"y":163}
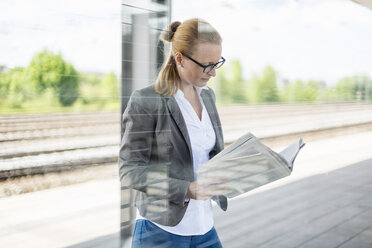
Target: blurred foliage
{"x":99,"y":89}
{"x":358,"y":87}
{"x":49,"y":83}
{"x":48,"y":70}
{"x":267,"y":87}
{"x":300,"y":91}
{"x":13,"y":89}
{"x":263,"y":88}
{"x":229,"y":83}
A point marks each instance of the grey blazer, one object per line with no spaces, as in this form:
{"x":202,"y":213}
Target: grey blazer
{"x":155,"y":159}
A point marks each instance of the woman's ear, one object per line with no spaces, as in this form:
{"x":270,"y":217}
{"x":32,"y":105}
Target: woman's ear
{"x":179,"y":59}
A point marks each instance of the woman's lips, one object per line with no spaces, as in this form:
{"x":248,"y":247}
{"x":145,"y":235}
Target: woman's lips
{"x":205,"y":79}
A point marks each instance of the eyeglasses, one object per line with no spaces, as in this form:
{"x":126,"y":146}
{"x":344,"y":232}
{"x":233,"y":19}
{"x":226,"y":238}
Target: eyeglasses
{"x":208,"y":68}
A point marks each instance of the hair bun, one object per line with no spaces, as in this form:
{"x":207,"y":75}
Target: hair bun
{"x":167,"y":35}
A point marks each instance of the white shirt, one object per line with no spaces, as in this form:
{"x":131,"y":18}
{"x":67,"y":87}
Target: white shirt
{"x":198,"y":218}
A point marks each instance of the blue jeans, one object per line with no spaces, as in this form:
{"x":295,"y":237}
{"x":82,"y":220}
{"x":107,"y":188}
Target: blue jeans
{"x":147,"y":234}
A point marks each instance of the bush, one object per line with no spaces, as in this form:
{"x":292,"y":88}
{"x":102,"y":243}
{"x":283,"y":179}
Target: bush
{"x":49,"y":70}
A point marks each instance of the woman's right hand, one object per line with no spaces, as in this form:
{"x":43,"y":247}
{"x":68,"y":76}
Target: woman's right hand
{"x":204,"y":190}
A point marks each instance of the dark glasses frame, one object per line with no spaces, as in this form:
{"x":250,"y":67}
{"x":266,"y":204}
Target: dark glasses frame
{"x":208,"y":68}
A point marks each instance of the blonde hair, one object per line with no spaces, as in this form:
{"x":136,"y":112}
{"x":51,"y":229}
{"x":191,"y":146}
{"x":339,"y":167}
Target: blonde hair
{"x":183,"y":38}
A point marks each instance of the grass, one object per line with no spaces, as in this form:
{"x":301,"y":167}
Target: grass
{"x":51,"y":105}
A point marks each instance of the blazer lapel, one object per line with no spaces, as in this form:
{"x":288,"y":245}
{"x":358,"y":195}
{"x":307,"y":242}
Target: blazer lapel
{"x":213,"y":115}
{"x":178,"y":118}
{"x":210,"y":106}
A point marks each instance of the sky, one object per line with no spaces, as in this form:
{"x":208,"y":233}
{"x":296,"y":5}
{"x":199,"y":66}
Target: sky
{"x":310,"y":40}
{"x":86,"y":32}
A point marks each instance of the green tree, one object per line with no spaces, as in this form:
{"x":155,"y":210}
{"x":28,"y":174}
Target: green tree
{"x":234,"y":76}
{"x":91,"y":89}
{"x":15,"y":88}
{"x":263,"y":88}
{"x":99,"y":89}
{"x":3,"y":88}
{"x":49,"y":70}
{"x":357,"y":87}
{"x":229,"y":83}
{"x":110,"y":87}
{"x":222,"y":86}
{"x":315,"y":90}
{"x":346,"y":89}
{"x":363,"y":87}
{"x":300,"y":91}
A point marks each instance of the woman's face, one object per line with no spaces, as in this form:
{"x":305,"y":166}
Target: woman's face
{"x":205,"y":54}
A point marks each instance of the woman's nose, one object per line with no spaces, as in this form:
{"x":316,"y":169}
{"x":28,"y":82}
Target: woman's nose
{"x":212,"y":72}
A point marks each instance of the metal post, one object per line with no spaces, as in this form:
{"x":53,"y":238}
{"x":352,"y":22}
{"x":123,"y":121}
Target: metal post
{"x":142,"y":56}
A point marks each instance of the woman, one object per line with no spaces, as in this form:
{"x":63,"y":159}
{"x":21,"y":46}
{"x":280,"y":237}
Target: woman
{"x":170,"y":129}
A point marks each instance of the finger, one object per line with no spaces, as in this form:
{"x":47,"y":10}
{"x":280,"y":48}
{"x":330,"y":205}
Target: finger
{"x":217,"y":191}
{"x":218,"y":187}
{"x":221,"y":192}
{"x":221,"y":179}
{"x":204,"y":196}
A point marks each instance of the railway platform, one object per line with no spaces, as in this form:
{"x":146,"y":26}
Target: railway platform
{"x":326,"y":202}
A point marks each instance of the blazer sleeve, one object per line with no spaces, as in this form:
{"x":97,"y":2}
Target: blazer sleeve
{"x":137,"y":167}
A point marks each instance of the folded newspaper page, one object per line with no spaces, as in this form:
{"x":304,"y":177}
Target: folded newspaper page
{"x":247,"y":164}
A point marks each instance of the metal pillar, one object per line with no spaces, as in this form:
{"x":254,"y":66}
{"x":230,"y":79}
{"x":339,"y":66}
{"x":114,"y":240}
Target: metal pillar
{"x":142,"y":57}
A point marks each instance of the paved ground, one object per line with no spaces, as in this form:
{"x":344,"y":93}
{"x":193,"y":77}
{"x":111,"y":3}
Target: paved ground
{"x":326,"y":202}
{"x":326,"y":210}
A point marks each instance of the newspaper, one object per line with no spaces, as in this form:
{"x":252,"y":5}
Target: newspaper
{"x":247,"y":164}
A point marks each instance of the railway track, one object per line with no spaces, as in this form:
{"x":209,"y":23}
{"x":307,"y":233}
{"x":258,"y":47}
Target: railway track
{"x":26,"y":123}
{"x":31,"y":127}
{"x":43,"y":143}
